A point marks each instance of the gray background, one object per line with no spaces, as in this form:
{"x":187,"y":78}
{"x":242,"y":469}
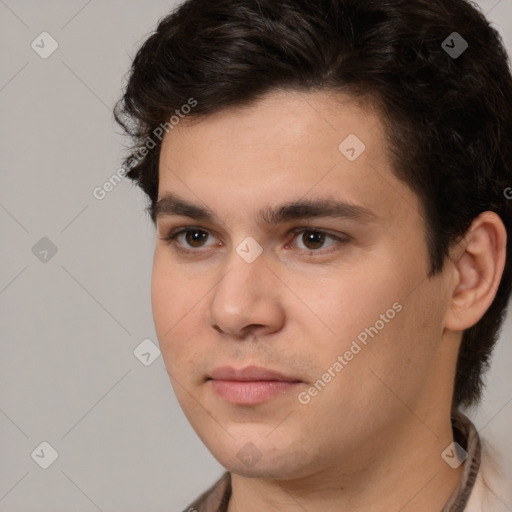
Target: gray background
{"x":69,"y":325}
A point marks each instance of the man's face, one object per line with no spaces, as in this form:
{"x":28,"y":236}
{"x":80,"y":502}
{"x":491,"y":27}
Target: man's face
{"x":339,"y":305}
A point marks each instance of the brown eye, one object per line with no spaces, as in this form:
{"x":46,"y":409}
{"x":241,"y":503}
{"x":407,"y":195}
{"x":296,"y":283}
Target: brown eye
{"x":189,"y":239}
{"x":313,"y":239}
{"x":196,"y":237}
{"x":317,"y":241}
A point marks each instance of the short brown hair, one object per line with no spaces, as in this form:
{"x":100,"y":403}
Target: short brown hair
{"x":451,"y":113}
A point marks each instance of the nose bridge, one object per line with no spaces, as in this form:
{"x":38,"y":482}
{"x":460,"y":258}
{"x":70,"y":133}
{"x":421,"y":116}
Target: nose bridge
{"x":243,"y":282}
{"x":245,"y":295}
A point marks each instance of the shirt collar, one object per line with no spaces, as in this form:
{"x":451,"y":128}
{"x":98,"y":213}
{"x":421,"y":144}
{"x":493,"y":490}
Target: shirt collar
{"x":465,"y":435}
{"x":216,"y":498}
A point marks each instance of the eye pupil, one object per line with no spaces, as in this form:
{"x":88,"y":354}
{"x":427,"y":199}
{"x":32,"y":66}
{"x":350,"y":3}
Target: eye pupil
{"x":194,"y":238}
{"x":313,"y":237}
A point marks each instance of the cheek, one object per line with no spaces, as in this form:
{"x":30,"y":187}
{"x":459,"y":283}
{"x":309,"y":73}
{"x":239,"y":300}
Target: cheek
{"x":178,"y":304}
{"x":399,"y":359}
{"x":163,"y":299}
{"x":375,"y":320}
{"x":173,"y":294}
{"x":172,"y":306}
{"x":353,"y":301}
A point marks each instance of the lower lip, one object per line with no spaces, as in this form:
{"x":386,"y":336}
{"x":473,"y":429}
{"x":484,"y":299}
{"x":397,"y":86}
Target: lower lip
{"x":251,"y":392}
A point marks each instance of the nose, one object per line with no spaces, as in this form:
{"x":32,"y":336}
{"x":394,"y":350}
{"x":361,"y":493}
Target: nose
{"x":246,"y":300}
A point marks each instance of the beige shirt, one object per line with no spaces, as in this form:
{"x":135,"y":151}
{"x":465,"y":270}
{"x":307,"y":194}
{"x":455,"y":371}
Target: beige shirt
{"x":478,"y":489}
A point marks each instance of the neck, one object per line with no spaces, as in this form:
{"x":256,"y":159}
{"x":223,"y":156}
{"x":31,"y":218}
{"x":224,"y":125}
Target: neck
{"x":403,"y":471}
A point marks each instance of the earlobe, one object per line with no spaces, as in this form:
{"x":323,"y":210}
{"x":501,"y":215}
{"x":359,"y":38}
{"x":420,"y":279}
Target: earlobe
{"x":478,"y":262}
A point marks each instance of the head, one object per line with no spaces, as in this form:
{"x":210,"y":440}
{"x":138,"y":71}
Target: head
{"x":244,"y":114}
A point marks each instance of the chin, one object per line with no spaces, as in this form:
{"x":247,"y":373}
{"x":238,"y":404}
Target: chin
{"x":257,"y":456}
{"x":263,"y":468}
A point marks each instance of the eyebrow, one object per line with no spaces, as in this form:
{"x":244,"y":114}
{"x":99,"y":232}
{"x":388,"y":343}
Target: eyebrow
{"x":171,"y":204}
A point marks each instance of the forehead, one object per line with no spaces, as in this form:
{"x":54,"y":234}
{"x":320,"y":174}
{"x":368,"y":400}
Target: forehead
{"x":282,"y":118}
{"x":286,"y":146}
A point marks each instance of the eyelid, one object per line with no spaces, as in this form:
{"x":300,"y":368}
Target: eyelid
{"x":327,"y":232}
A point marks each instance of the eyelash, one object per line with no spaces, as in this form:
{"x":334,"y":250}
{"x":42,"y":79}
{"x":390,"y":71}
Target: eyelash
{"x":170,"y":239}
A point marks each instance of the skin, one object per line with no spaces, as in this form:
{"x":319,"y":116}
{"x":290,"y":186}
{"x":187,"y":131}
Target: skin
{"x":372,"y":438}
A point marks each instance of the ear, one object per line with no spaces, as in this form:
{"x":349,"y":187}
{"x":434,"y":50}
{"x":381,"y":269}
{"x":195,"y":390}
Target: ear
{"x":477,"y":263}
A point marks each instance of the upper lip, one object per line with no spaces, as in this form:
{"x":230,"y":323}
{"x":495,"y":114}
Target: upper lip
{"x":249,"y":374}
